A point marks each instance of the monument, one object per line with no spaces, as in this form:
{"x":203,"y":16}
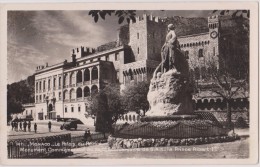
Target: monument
{"x":170,"y":89}
{"x":171,"y":115}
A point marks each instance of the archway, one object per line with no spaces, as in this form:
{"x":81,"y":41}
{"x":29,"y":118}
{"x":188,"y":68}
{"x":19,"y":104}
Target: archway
{"x":94,"y":89}
{"x":94,"y":73}
{"x":79,"y":93}
{"x":79,"y":76}
{"x":66,"y":95}
{"x":72,"y":94}
{"x":86,"y":91}
{"x":86,"y":75}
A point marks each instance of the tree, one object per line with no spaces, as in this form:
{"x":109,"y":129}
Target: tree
{"x":106,"y":105}
{"x":135,"y":97}
{"x":121,"y":14}
{"x":13,"y":107}
{"x":19,"y":93}
{"x":226,"y":84}
{"x":234,"y":13}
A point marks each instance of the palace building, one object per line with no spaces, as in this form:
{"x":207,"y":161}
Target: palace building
{"x":62,"y":90}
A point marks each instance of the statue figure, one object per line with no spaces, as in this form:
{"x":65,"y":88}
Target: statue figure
{"x":168,"y":50}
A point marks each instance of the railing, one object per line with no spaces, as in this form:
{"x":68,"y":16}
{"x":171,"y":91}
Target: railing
{"x":79,"y":99}
{"x":95,"y":137}
{"x":42,"y":147}
{"x":179,"y":131}
{"x":79,"y":84}
{"x":86,"y":82}
{"x":95,"y":81}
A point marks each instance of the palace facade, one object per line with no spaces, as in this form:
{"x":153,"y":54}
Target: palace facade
{"x":62,"y":90}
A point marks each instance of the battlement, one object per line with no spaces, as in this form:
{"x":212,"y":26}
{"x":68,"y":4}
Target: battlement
{"x":213,"y":19}
{"x":145,"y":18}
{"x":83,"y":51}
{"x":42,"y":67}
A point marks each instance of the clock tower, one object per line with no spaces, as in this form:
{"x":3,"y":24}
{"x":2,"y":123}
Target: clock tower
{"x":214,"y":34}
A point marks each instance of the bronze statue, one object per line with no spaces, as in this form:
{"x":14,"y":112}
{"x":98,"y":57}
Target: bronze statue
{"x":168,"y":50}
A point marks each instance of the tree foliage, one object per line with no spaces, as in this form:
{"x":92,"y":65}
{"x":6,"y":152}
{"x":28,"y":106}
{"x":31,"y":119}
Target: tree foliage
{"x":234,"y":13}
{"x":19,"y":93}
{"x":135,"y":97}
{"x":106,"y":105}
{"x":121,"y":14}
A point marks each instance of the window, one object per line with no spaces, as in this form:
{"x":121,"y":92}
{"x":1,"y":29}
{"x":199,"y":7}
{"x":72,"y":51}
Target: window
{"x":91,"y":60}
{"x":66,"y":109}
{"x":49,"y":83}
{"x":26,"y":112}
{"x":59,"y":95}
{"x":107,"y":58}
{"x":79,"y":108}
{"x":54,"y":82}
{"x":40,"y":98}
{"x":214,"y":51}
{"x":137,"y":35}
{"x":44,"y":85}
{"x":116,"y":56}
{"x":186,"y":54}
{"x":138,"y":50}
{"x":59,"y":81}
{"x":72,"y":109}
{"x":31,"y":112}
{"x":201,"y":53}
{"x":40,"y":85}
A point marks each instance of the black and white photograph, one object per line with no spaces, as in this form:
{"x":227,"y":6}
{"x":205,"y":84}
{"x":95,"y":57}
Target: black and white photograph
{"x":131,"y":84}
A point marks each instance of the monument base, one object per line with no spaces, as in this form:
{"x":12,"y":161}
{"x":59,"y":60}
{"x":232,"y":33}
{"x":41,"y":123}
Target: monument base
{"x":201,"y":124}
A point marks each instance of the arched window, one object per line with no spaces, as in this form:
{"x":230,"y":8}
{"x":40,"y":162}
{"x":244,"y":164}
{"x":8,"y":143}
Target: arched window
{"x":72,"y":94}
{"x":126,"y":117}
{"x":130,"y":118}
{"x":36,"y":86}
{"x":86,"y":91}
{"x":94,"y":73}
{"x":94,"y":89}
{"x":79,"y":76}
{"x":134,"y":118}
{"x":200,"y":52}
{"x":66,"y":95}
{"x":79,"y":93}
{"x":72,"y":78}
{"x":50,"y":107}
{"x":86,"y":75}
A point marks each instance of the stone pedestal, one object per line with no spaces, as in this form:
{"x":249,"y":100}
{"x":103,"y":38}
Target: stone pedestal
{"x":170,"y":94}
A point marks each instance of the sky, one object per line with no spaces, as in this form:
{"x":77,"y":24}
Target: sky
{"x":38,"y":37}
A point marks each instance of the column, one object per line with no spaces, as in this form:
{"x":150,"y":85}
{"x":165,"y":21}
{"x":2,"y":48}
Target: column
{"x":90,"y":75}
{"x":82,"y":71}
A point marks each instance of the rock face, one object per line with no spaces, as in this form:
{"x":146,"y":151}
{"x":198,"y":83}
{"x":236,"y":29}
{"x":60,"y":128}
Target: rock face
{"x":170,"y":94}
